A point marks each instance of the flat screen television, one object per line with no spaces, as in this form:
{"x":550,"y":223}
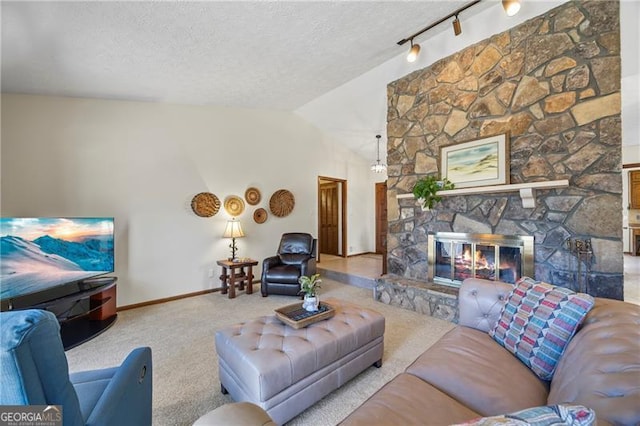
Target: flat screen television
{"x":43,"y":259}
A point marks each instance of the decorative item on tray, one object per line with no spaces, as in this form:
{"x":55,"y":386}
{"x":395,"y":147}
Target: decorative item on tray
{"x":297,"y":317}
{"x":234,"y":205}
{"x":205,"y":204}
{"x":281,"y":203}
{"x":309,"y":286}
{"x":252,"y":195}
{"x":260,"y":215}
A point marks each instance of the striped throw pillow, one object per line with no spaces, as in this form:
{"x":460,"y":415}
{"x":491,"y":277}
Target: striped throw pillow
{"x":549,"y":415}
{"x":537,"y":322}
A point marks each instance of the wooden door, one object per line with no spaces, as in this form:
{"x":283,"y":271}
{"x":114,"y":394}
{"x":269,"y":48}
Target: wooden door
{"x":381,"y":223}
{"x":329,"y":214}
{"x":634,"y":189}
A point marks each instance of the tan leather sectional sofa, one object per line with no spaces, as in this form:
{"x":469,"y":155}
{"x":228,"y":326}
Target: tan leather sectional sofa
{"x":467,"y":375}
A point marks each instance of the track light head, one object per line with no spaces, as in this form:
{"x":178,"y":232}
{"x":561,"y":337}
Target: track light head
{"x":457,"y":28}
{"x":413,"y":52}
{"x":511,"y":7}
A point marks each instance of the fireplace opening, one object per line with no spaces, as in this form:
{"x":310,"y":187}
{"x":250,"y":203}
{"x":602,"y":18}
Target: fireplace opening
{"x":453,"y":257}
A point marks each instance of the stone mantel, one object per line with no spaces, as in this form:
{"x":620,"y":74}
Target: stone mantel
{"x":527,"y":190}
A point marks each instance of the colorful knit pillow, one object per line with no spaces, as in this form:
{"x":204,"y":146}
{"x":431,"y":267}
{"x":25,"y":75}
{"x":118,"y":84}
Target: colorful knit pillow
{"x":549,"y":415}
{"x":537,"y":322}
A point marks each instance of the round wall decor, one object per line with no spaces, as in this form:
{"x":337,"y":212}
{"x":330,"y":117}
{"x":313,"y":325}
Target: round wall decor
{"x":205,"y":204}
{"x":260,"y":215}
{"x":234,"y":205}
{"x":281,"y":203}
{"x":252,"y":195}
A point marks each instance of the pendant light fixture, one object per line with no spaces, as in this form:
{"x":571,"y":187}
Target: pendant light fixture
{"x":379,"y":167}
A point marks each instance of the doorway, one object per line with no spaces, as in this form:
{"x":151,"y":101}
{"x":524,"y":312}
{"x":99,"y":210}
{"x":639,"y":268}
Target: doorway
{"x":332,"y":223}
{"x":381,"y":223}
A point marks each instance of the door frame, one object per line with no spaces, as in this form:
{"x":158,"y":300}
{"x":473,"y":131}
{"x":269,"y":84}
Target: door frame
{"x":385,"y":230}
{"x":343,"y":212}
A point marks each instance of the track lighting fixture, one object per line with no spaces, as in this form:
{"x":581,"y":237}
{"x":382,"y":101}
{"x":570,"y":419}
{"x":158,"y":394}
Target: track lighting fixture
{"x":511,"y":7}
{"x":413,"y":52}
{"x":457,"y":28}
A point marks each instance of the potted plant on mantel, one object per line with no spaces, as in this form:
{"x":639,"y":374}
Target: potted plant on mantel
{"x":309,"y":287}
{"x":425,"y":190}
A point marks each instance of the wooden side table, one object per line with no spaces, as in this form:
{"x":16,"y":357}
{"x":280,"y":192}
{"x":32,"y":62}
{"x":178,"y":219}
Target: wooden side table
{"x":233,"y":272}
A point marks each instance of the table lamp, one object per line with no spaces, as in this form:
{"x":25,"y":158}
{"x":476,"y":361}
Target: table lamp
{"x":233,"y":231}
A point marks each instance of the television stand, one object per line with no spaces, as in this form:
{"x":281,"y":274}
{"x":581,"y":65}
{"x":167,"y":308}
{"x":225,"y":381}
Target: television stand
{"x":87,"y":313}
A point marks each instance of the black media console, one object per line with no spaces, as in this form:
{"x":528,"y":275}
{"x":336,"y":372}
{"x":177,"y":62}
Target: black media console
{"x":86,"y":313}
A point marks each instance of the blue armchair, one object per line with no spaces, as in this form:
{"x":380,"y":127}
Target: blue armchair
{"x":34,"y":371}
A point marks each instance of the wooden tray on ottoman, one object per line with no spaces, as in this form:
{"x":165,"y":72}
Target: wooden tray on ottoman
{"x":297,"y":317}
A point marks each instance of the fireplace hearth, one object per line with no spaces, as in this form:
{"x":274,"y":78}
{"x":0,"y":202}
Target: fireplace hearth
{"x":455,"y":256}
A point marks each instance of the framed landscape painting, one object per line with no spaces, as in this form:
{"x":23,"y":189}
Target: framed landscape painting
{"x":481,"y":162}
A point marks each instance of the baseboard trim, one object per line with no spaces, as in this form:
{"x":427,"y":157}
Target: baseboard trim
{"x":354,"y":254}
{"x":172,"y":298}
{"x":362,"y":254}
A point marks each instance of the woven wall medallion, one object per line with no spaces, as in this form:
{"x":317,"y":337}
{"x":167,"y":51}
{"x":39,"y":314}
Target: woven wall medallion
{"x":234,"y":205}
{"x":252,"y":195}
{"x":205,"y":204}
{"x":260,"y":215}
{"x":281,"y":203}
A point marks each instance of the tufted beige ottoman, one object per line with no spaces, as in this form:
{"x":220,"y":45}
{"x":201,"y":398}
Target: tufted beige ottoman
{"x":285,"y":371}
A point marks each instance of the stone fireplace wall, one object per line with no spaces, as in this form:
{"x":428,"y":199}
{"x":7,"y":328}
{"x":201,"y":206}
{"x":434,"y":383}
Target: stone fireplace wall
{"x":553,"y":83}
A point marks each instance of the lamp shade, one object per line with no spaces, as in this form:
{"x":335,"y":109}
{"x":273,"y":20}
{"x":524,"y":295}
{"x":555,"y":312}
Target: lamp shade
{"x":233,"y":230}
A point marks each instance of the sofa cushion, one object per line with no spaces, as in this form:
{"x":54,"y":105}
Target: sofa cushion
{"x":481,"y":374}
{"x":537,"y":322}
{"x":296,"y":243}
{"x":237,"y":414}
{"x":293,"y":259}
{"x":480,"y":302}
{"x":600,"y":368}
{"x":550,"y":415}
{"x":286,"y":274}
{"x":407,"y":400}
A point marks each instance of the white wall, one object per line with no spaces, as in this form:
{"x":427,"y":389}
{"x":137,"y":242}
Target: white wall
{"x":143,"y":162}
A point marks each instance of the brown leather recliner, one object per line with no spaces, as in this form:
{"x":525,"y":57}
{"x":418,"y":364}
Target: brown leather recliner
{"x":296,"y":257}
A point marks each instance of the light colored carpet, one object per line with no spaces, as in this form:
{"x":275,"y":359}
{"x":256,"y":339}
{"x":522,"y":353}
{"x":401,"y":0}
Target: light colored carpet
{"x":185,"y":365}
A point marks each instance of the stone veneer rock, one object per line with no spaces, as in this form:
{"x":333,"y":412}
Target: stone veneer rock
{"x":425,"y":298}
{"x":552,"y":83}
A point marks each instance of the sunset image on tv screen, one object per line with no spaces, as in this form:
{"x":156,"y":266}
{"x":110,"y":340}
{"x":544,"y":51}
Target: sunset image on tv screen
{"x":39,"y":253}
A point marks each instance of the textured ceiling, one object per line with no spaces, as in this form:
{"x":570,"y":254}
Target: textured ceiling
{"x":256,"y":54}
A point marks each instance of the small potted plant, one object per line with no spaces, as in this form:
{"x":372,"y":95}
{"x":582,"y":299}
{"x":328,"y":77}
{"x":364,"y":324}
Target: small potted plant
{"x":425,"y":190}
{"x":309,"y":287}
